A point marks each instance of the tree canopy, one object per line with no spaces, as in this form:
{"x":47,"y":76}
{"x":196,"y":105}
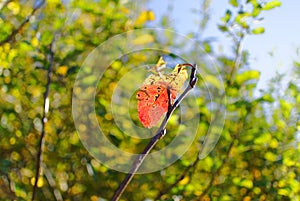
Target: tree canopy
{"x":245,"y":144}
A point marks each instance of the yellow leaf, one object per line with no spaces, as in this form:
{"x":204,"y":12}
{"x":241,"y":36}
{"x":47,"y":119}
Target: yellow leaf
{"x":125,"y":10}
{"x":257,"y":190}
{"x":34,"y":42}
{"x":208,"y":163}
{"x":137,"y":58}
{"x":12,"y":141}
{"x":274,"y":143}
{"x":247,"y":75}
{"x":77,"y":189}
{"x":144,"y":17}
{"x":271,"y":156}
{"x":6,"y":47}
{"x":177,"y":77}
{"x":54,"y":1}
{"x":247,"y":198}
{"x":247,"y":183}
{"x":62,"y":70}
{"x":15,"y":156}
{"x":116,"y":65}
{"x":263,"y":138}
{"x":184,"y":181}
{"x":143,"y":39}
{"x":40,"y":182}
{"x":151,"y":16}
{"x":213,"y":80}
{"x":288,"y":162}
{"x":14,"y":7}
{"x":283,"y":192}
{"x":95,"y":198}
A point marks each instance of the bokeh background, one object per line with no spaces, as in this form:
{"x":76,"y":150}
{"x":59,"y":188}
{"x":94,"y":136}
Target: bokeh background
{"x":254,"y":46}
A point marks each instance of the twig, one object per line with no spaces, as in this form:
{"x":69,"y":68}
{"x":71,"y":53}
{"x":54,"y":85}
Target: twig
{"x":44,"y":120}
{"x":26,"y":20}
{"x":159,"y":135}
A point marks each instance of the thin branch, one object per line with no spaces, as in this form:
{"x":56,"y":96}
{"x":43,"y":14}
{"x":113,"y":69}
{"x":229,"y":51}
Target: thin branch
{"x":159,"y":135}
{"x":44,"y":121}
{"x":26,"y":20}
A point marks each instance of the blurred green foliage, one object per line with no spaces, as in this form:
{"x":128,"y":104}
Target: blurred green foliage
{"x":258,"y":154}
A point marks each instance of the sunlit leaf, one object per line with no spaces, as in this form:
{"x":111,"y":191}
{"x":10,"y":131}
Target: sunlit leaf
{"x":14,"y":7}
{"x":227,"y":16}
{"x":62,"y":70}
{"x":271,"y":156}
{"x":256,"y":11}
{"x":247,"y":183}
{"x":213,"y":80}
{"x":272,"y":4}
{"x":34,"y":42}
{"x":46,"y":37}
{"x":258,"y":30}
{"x":184,"y":181}
{"x":144,"y":16}
{"x":143,"y":39}
{"x":247,"y":75}
{"x":40,"y":181}
{"x":283,"y":192}
{"x":234,"y":3}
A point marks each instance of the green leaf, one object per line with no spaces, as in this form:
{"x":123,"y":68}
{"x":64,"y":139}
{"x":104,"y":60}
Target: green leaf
{"x":223,"y":28}
{"x":234,"y":3}
{"x":256,"y":11}
{"x":283,"y":191}
{"x":227,"y":16}
{"x":258,"y":30}
{"x":267,"y":98}
{"x":263,"y":138}
{"x":296,"y":64}
{"x":248,"y":183}
{"x":269,"y":156}
{"x":207,"y":47}
{"x":47,"y":37}
{"x":213,"y":80}
{"x":286,"y":108}
{"x":247,"y":75}
{"x":241,"y":19}
{"x":272,"y":4}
